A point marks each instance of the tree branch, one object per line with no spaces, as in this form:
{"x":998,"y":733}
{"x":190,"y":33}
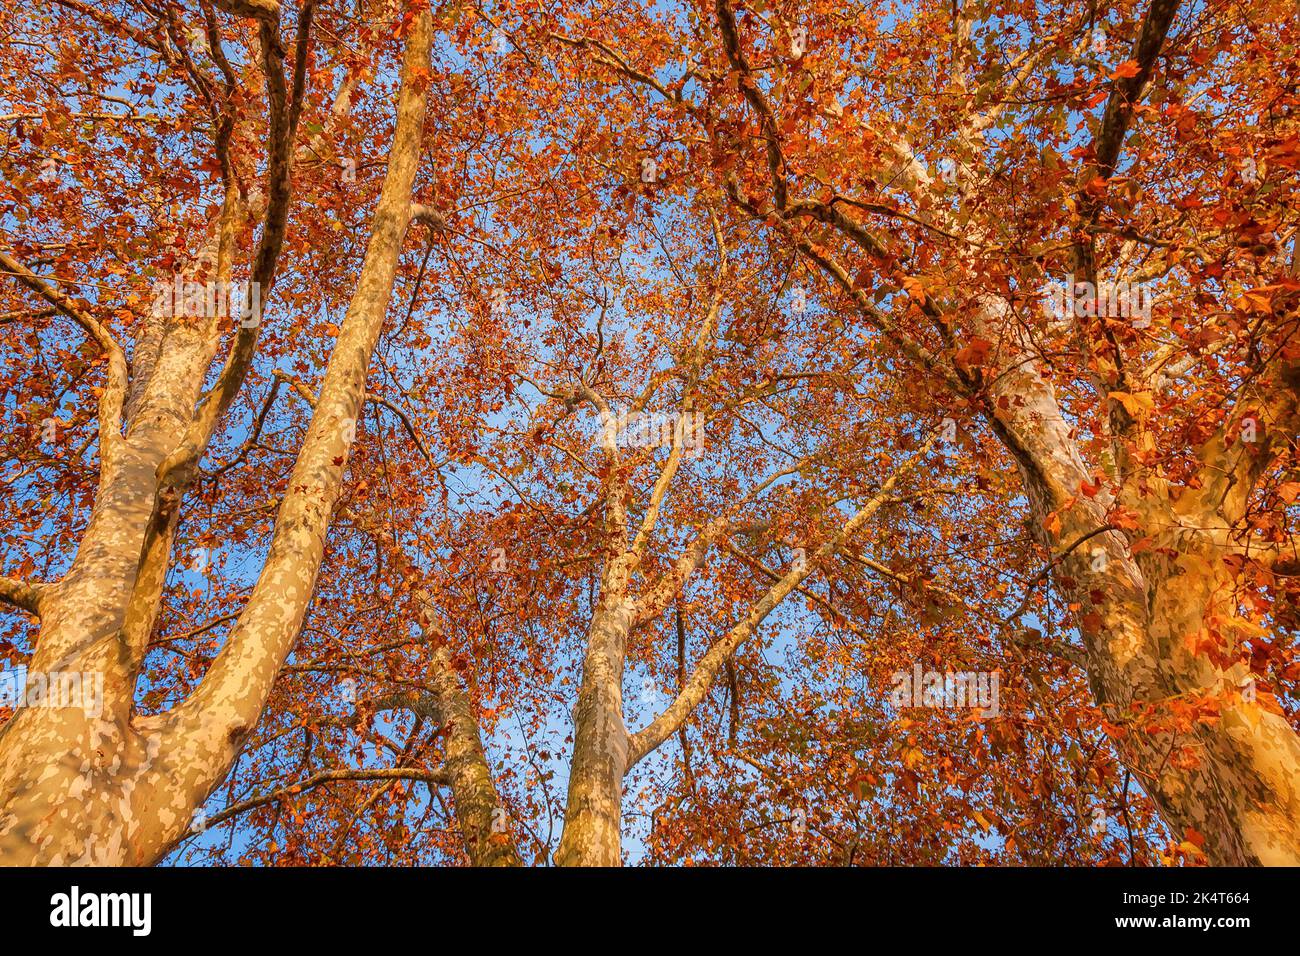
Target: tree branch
{"x":328,"y":776}
{"x":705,"y":673}
{"x":21,"y":594}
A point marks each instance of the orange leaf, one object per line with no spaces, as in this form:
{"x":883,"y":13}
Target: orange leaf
{"x":974,"y":354}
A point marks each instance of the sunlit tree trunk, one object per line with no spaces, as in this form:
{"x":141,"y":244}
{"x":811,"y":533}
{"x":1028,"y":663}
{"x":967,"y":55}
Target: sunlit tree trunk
{"x":1234,"y":780}
{"x":593,"y":814}
{"x":115,"y":788}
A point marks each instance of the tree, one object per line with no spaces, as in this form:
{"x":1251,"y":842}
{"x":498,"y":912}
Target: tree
{"x":111,"y":787}
{"x":1158,"y":589}
{"x":707,"y":433}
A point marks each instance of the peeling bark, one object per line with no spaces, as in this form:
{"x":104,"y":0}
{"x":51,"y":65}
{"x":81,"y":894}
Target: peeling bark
{"x":116,"y":788}
{"x":1242,"y":788}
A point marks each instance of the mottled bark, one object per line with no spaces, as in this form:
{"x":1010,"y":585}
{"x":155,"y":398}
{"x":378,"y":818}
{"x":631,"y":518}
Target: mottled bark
{"x":1141,"y":615}
{"x":115,"y":788}
{"x":481,"y":818}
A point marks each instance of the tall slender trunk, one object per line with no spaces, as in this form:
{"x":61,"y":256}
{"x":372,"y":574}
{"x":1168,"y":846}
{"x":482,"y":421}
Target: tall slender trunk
{"x":594,"y":814}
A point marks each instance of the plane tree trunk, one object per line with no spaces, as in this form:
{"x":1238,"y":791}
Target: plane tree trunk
{"x":112,"y":787}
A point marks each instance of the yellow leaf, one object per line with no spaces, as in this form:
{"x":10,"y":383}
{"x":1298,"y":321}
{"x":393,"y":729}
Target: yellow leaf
{"x":1137,"y":404}
{"x":1249,"y":627}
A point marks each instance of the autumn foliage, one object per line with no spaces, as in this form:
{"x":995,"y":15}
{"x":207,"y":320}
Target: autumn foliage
{"x":651,"y":413}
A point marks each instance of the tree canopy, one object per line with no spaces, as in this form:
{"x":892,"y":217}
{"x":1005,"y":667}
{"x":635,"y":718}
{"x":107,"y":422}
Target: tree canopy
{"x":702,"y":432}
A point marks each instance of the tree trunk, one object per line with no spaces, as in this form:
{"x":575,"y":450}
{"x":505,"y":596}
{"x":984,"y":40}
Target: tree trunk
{"x":1234,"y":780}
{"x":479,"y":815}
{"x":114,"y":788}
{"x":593,"y":816}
